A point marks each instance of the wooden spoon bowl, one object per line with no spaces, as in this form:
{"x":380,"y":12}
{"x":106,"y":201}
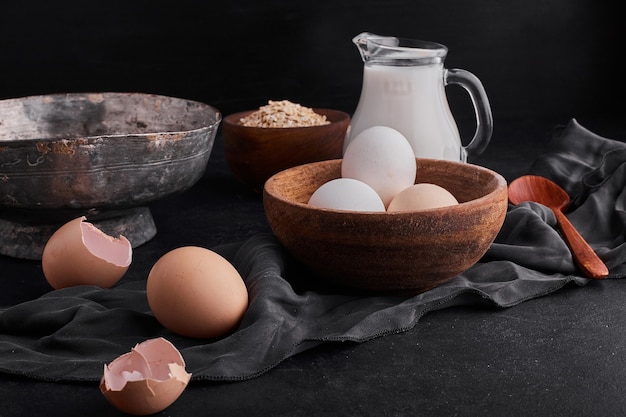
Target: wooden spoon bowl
{"x":390,"y":251}
{"x":544,"y":191}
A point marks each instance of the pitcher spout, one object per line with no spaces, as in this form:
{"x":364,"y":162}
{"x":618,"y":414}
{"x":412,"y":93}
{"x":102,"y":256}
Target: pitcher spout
{"x":392,"y":50}
{"x":367,"y":44}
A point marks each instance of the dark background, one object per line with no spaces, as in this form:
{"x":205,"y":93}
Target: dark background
{"x":541,"y":62}
{"x":553,"y":58}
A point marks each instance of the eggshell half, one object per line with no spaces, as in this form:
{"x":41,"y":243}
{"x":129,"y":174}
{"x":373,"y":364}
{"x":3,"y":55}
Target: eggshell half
{"x":195,"y":292}
{"x":78,"y":253}
{"x":146,"y":380}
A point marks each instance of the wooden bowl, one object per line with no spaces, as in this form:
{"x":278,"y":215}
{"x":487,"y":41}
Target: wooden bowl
{"x":103,"y":155}
{"x":256,"y":153}
{"x":395,"y":251}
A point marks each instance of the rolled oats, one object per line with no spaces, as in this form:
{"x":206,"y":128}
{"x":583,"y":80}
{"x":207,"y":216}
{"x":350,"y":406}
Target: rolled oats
{"x":283,"y":113}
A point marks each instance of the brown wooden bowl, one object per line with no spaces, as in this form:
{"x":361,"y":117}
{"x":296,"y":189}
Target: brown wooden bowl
{"x":256,"y":153}
{"x":392,"y":251}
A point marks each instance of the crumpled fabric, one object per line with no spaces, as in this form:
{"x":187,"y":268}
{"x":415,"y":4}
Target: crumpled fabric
{"x":68,"y":334}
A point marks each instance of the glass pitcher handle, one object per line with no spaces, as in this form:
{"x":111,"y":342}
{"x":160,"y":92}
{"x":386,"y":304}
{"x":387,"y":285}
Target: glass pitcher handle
{"x":482,"y":109}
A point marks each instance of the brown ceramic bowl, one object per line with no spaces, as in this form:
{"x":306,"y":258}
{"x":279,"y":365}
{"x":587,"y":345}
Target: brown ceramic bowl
{"x":256,"y":153}
{"x":400,"y":251}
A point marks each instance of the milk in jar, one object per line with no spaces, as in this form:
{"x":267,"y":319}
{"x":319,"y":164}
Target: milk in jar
{"x":412,"y":101}
{"x":403,"y":88}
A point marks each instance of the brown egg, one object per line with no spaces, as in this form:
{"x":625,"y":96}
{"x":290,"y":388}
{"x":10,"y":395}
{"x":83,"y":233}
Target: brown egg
{"x":195,"y":292}
{"x":146,"y":380}
{"x":78,"y":253}
{"x":422,"y":196}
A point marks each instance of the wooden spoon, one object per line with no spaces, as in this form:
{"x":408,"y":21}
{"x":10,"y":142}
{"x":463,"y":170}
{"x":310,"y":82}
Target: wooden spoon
{"x":548,"y":193}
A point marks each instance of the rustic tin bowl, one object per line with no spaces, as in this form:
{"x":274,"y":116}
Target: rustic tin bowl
{"x":256,"y":153}
{"x":103,"y":155}
{"x":406,"y":252}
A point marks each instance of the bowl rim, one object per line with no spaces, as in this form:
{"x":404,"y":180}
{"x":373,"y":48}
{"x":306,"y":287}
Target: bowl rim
{"x":500,"y":185}
{"x":217,"y":116}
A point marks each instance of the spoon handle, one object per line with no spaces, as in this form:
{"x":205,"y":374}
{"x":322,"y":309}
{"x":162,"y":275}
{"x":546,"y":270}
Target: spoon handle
{"x":585,"y":257}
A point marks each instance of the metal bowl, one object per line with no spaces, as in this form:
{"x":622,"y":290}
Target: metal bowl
{"x":102,"y":155}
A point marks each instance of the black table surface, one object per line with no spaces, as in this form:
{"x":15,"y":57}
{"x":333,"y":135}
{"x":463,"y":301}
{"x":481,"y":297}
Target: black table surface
{"x":561,"y":354}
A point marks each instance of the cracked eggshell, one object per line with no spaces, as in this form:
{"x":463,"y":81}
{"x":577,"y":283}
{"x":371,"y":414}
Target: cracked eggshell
{"x":78,"y":253}
{"x":146,"y":380}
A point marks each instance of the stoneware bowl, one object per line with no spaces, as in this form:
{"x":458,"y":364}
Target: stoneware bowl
{"x":102,"y":155}
{"x":404,"y":252}
{"x":256,"y":153}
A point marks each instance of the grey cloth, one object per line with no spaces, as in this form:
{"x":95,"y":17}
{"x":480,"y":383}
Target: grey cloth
{"x":69,"y":334}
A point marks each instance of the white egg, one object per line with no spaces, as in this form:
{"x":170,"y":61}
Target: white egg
{"x":347,"y":194}
{"x":382,"y":158}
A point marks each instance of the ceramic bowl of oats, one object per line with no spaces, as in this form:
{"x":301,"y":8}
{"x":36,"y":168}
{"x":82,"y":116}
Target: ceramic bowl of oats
{"x":282,"y":134}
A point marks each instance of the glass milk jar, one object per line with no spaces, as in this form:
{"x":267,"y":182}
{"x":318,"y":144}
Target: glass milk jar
{"x":404,"y":88}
